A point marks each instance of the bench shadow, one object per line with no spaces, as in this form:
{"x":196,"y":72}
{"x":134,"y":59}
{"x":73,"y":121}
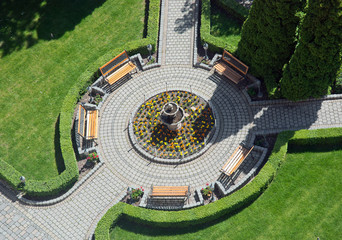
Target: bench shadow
{"x":58,"y":151}
{"x":19,"y":19}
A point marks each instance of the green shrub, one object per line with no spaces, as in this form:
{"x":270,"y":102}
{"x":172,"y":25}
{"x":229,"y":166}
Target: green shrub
{"x":203,"y":214}
{"x":268,"y":39}
{"x":314,"y":65}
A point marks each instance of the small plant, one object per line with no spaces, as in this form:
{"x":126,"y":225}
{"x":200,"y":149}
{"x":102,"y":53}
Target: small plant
{"x":207,"y":191}
{"x":136,"y":193}
{"x":152,"y":60}
{"x":251,"y":92}
{"x":98,"y":98}
{"x":93,"y":157}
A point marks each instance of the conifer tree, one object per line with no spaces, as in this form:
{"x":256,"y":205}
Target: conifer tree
{"x":268,"y":38}
{"x":316,"y":61}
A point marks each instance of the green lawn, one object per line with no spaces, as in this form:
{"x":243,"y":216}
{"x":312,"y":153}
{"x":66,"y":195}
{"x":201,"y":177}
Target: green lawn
{"x":225,"y":26}
{"x":303,"y":202}
{"x":36,"y":71}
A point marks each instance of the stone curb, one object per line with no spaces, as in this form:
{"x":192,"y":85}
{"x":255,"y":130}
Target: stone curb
{"x":65,"y":195}
{"x":211,"y":139}
{"x":91,"y":230}
{"x":196,"y":15}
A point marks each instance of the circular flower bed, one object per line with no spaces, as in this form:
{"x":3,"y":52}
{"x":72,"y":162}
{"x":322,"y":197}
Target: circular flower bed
{"x":161,"y":142}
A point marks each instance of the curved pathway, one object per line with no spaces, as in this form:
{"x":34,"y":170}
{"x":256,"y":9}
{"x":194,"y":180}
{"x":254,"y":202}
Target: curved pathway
{"x":77,"y":216}
{"x":231,"y":109}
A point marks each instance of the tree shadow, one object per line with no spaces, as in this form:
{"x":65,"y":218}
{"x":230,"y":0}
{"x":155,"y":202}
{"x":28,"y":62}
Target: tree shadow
{"x":222,"y":23}
{"x":187,"y":21}
{"x":19,"y":21}
{"x":58,"y":151}
{"x":258,"y":118}
{"x":60,"y":16}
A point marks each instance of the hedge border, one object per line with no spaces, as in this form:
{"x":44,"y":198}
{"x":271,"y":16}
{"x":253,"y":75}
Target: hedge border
{"x":226,"y":205}
{"x":53,"y":186}
{"x":230,"y":6}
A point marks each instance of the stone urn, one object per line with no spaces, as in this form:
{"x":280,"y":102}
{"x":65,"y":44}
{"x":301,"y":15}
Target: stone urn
{"x":172,"y":116}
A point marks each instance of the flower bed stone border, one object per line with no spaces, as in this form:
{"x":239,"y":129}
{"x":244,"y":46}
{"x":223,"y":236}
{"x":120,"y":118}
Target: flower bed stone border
{"x":211,"y":139}
{"x":182,"y":104}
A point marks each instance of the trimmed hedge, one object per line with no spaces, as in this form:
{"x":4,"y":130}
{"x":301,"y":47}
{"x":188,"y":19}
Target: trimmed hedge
{"x":231,"y":7}
{"x":224,"y":206}
{"x":203,"y":214}
{"x":54,"y":186}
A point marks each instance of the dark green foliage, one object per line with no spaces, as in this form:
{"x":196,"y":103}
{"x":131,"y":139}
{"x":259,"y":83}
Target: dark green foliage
{"x":337,"y":88}
{"x":268,"y":39}
{"x":314,"y":65}
{"x":232,"y":7}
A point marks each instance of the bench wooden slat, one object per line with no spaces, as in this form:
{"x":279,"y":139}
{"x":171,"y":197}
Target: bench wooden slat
{"x":235,"y":160}
{"x":92,"y":126}
{"x":228,"y":72}
{"x":117,"y":75}
{"x":105,"y":68}
{"x":231,"y":67}
{"x":170,"y":187}
{"x":234,"y":62}
{"x":81,"y":120}
{"x":171,"y":191}
{"x":168,"y":194}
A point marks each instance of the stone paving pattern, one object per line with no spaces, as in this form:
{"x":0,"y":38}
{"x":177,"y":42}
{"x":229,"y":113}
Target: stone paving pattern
{"x":116,"y":149}
{"x":77,"y":216}
{"x":179,"y":32}
{"x":294,"y":116}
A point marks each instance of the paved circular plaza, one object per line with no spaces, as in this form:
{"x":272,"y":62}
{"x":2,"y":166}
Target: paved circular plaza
{"x":116,"y":150}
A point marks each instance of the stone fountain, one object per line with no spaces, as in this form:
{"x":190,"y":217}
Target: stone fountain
{"x":172,"y":116}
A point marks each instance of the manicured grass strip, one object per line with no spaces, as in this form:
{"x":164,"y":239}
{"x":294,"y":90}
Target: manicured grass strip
{"x":225,"y":26}
{"x":303,"y":202}
{"x":36,"y":80}
{"x":221,"y":23}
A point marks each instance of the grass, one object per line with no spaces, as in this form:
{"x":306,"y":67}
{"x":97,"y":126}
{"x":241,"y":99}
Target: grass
{"x":303,"y":202}
{"x":36,"y":71}
{"x":224,"y":26}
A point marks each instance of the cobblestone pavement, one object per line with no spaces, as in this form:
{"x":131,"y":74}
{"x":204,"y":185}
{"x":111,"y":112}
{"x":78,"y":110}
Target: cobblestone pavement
{"x":294,"y":116}
{"x":231,"y":109}
{"x":14,"y":224}
{"x":77,"y":216}
{"x":179,"y":32}
{"x":70,"y":219}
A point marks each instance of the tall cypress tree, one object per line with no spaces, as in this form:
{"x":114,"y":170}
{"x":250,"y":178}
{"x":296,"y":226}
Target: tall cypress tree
{"x":268,"y":38}
{"x":316,"y":61}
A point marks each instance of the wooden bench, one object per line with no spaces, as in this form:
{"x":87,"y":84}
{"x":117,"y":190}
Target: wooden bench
{"x":87,"y":123}
{"x":117,"y":68}
{"x":170,"y":191}
{"x":231,"y":67}
{"x":235,"y":160}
